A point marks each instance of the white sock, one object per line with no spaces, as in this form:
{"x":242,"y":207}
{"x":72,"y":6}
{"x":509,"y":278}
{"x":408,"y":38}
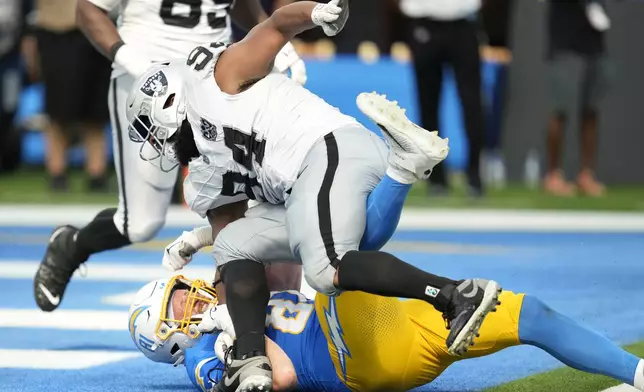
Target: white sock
{"x":638,"y":380}
{"x":401,"y":175}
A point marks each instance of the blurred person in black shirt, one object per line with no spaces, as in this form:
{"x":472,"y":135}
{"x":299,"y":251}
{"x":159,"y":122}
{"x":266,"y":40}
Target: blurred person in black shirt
{"x":495,"y":18}
{"x":578,"y":67}
{"x":445,"y":32}
{"x":76,"y":81}
{"x":13,"y":15}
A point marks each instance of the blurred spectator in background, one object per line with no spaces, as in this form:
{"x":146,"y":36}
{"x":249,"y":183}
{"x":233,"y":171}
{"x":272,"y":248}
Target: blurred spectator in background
{"x":495,"y":17}
{"x":76,"y":79}
{"x":269,"y":6}
{"x":445,"y":32}
{"x":13,"y":15}
{"x":579,"y":74}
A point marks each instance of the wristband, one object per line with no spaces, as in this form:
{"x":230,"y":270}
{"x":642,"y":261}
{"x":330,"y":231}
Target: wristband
{"x":115,"y":48}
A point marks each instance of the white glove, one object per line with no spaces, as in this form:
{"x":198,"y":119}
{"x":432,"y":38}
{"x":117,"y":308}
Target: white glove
{"x":223,"y":342}
{"x":331,"y":16}
{"x":179,"y":253}
{"x":132,"y":61}
{"x":287,"y":59}
{"x":217,"y":318}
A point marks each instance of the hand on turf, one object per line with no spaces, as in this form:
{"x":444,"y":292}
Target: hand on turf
{"x":217,"y":318}
{"x":179,"y":253}
{"x":288,"y":59}
{"x":331,"y":16}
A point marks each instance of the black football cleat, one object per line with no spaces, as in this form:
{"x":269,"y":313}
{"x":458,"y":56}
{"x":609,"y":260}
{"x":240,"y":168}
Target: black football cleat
{"x":470,"y":303}
{"x":56,"y":268}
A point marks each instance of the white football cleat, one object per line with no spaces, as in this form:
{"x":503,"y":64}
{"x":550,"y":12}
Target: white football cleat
{"x":412,"y":148}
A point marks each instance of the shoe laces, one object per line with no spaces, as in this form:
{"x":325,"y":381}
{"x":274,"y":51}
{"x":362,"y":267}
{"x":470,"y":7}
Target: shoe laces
{"x":449,"y":315}
{"x":228,"y":360}
{"x":226,"y":364}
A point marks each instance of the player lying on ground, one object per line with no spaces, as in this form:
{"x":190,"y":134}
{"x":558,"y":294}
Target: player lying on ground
{"x":357,"y":341}
{"x":259,"y":135}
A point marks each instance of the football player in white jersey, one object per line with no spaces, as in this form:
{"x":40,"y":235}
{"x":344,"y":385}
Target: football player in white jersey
{"x":149,"y":31}
{"x":258,"y":135}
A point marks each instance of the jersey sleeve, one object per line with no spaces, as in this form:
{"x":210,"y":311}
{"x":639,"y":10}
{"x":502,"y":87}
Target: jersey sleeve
{"x":106,"y":5}
{"x":203,"y":187}
{"x":204,"y":369}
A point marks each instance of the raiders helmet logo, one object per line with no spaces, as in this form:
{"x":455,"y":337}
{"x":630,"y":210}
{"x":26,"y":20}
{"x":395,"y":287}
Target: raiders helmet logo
{"x":156,"y":84}
{"x":208,"y":130}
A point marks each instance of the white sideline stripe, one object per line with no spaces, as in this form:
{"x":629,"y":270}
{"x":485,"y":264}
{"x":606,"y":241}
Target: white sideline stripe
{"x":412,"y":218}
{"x":124,"y":299}
{"x":19,"y":269}
{"x":621,"y":388}
{"x":23,"y":269}
{"x":60,"y":359}
{"x":85,"y":320}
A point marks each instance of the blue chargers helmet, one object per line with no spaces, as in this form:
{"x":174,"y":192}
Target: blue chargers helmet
{"x":157,"y":332}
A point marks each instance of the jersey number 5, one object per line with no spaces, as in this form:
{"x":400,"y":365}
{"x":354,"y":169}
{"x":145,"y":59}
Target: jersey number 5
{"x":192,"y":19}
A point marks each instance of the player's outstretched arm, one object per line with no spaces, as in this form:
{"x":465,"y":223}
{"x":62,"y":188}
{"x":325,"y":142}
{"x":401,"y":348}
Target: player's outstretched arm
{"x":252,"y":58}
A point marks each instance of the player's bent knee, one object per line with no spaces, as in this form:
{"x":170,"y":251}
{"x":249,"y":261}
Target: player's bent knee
{"x":224,"y":252}
{"x":142,"y":231}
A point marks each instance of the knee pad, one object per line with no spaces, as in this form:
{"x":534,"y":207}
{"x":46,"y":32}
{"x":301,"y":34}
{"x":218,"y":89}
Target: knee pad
{"x":142,"y":230}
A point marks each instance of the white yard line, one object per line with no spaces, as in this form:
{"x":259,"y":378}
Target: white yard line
{"x":67,"y":319}
{"x":106,"y":272}
{"x":412,"y":218}
{"x":621,"y":388}
{"x":60,"y":359}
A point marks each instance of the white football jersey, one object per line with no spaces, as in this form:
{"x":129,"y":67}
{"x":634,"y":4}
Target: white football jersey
{"x":167,"y":29}
{"x":255,"y":141}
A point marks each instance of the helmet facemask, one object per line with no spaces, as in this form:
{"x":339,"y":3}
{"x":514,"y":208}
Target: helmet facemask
{"x":199,"y":292}
{"x":156,"y":145}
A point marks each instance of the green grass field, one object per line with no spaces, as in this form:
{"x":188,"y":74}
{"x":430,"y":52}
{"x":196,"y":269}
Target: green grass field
{"x":30,"y":186}
{"x":565,"y":379}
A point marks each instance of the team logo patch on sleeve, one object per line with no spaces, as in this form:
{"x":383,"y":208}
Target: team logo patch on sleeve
{"x":156,"y":84}
{"x":208,"y":130}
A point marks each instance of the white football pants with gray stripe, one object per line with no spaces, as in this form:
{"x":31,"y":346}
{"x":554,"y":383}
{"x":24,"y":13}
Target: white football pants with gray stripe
{"x":325,"y":216}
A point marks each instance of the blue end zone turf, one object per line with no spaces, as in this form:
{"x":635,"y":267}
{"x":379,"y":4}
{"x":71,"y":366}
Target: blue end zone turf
{"x":591,"y":277}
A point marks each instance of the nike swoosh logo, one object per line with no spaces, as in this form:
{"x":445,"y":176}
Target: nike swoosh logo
{"x":54,"y":300}
{"x":230,"y":381}
{"x":472,"y":293}
{"x":56,"y":233}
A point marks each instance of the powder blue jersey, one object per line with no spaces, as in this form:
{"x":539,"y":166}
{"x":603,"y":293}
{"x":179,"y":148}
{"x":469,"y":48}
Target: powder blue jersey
{"x":292,"y":323}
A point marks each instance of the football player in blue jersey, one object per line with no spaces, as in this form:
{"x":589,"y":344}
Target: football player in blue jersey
{"x":355,"y":341}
